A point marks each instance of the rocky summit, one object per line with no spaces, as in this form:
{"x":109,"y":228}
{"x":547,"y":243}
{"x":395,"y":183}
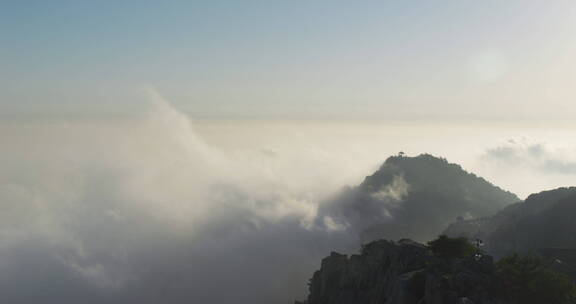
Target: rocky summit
{"x":414,"y":197}
{"x":403,"y":272}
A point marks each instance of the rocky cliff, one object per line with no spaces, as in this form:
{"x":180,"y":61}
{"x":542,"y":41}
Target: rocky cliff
{"x":402,"y":272}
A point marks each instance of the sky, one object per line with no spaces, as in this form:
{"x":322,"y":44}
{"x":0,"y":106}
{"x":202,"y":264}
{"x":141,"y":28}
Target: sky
{"x":390,"y":60}
{"x":179,"y":151}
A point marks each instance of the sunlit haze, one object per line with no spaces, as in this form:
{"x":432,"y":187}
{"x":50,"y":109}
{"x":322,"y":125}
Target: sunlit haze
{"x":180,"y":151}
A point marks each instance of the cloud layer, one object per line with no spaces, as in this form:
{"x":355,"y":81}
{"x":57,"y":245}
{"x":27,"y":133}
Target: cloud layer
{"x":147,"y":212}
{"x":532,"y":164}
{"x":536,"y":155}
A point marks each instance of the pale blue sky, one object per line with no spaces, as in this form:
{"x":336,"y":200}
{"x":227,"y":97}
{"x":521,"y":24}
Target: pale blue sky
{"x":290,"y":59}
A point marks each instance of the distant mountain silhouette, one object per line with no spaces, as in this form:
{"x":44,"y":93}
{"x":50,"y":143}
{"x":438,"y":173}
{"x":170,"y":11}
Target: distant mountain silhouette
{"x":413,"y":197}
{"x":543,"y":221}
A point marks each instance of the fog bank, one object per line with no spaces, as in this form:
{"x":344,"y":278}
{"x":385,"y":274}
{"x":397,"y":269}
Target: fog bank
{"x":161,"y":209}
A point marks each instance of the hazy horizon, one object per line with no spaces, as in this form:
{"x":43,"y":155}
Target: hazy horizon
{"x":183,"y":151}
{"x":479,"y":146}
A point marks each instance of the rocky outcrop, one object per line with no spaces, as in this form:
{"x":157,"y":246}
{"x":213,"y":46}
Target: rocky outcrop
{"x":402,"y":272}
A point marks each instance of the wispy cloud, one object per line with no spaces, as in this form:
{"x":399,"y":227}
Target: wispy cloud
{"x":535,"y":155}
{"x":147,"y":211}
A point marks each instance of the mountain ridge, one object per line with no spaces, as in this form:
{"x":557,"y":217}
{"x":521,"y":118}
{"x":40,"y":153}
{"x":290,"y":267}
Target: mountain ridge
{"x":538,"y":222}
{"x":414,"y":197}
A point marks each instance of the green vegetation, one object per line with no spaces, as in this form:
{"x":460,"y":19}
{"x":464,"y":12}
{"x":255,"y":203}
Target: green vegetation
{"x":447,"y":247}
{"x":529,"y":280}
{"x":519,"y":279}
{"x":433,"y":193}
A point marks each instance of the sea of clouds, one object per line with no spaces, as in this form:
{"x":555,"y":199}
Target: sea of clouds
{"x":146,"y":210}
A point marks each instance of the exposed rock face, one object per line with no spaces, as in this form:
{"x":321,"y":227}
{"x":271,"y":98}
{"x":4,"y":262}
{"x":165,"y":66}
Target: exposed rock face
{"x":401,"y":272}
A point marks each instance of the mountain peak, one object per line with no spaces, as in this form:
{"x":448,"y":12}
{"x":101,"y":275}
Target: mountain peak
{"x":415,"y":197}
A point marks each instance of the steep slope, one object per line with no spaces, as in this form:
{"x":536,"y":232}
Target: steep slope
{"x":414,"y":197}
{"x":544,"y":220}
